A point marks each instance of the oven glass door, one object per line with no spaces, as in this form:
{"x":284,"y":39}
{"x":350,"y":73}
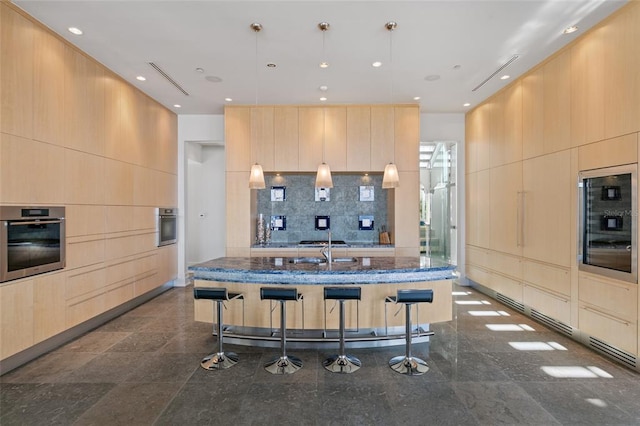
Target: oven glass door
{"x":167,"y":230}
{"x":33,"y":243}
{"x":608,"y":219}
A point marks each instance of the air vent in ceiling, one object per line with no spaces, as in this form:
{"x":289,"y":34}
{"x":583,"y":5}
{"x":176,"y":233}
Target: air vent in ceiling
{"x":496,"y":72}
{"x":166,"y":77}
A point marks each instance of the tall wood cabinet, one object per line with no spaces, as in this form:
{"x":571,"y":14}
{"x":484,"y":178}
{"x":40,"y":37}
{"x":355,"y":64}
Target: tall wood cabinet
{"x":578,"y":110}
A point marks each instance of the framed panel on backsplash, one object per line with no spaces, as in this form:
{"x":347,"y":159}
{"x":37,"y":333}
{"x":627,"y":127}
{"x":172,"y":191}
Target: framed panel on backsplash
{"x":345,"y":206}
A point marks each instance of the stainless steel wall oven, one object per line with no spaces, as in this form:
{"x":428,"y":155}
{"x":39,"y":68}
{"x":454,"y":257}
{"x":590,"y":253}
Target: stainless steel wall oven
{"x":166,"y":226}
{"x":608,"y":222}
{"x":32,"y":241}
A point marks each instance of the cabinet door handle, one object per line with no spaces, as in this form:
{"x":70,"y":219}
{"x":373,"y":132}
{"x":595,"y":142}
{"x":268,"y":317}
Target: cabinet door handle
{"x":602,"y":314}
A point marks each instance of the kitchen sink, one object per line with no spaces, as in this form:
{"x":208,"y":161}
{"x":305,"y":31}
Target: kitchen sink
{"x":313,"y":260}
{"x":344,"y":259}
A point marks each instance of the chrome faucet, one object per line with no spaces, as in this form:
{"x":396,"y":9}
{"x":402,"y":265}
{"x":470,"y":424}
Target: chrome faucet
{"x":326,"y":250}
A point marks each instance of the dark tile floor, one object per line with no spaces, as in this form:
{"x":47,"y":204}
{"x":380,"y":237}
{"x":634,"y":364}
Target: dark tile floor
{"x":143,"y":368}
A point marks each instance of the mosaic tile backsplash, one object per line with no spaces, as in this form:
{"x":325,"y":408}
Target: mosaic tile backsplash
{"x":343,"y":207}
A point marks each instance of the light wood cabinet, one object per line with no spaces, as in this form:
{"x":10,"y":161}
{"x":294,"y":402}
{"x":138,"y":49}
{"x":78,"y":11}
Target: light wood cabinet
{"x":554,"y":305}
{"x":382,"y":137}
{"x":407,"y":214}
{"x":48,"y":306}
{"x":505,"y":212}
{"x":262,"y":138}
{"x":16,"y":317}
{"x":83,"y":103}
{"x":407,"y":138}
{"x":48,"y":87}
{"x":472,"y":125}
{"x":335,"y":138}
{"x":478,"y":208}
{"x":17,"y":64}
{"x":547,"y":184}
{"x":358,"y":138}
{"x":311,"y":136}
{"x":512,"y":119}
{"x":483,"y":143}
{"x":557,"y":103}
{"x":237,"y":130}
{"x":587,"y":88}
{"x":621,"y":64}
{"x":495,"y":141}
{"x":533,"y":114}
{"x":286,"y":139}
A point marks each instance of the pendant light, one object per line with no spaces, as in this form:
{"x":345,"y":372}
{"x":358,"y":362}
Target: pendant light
{"x":323,"y":176}
{"x":390,"y":178}
{"x":256,"y":177}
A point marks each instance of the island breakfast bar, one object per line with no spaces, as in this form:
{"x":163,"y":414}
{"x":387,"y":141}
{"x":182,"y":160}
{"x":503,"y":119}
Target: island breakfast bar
{"x":372,"y":321}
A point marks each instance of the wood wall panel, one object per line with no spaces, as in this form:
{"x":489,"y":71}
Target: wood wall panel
{"x":557,"y":103}
{"x":359,"y":138}
{"x":533,"y":114}
{"x":237,"y":128}
{"x":16,"y":317}
{"x":407,"y":138}
{"x":382,"y":134}
{"x":286,"y":139}
{"x":31,"y":172}
{"x":16,"y":62}
{"x":85,"y":220}
{"x":263,"y":148}
{"x":119,"y":187}
{"x":83,"y":178}
{"x":48,"y":87}
{"x":335,"y":142}
{"x":48,"y":306}
{"x":312,"y":149}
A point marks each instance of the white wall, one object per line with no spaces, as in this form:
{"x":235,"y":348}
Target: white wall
{"x":199,"y":129}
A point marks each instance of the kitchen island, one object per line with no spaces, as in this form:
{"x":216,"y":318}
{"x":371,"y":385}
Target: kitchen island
{"x":312,"y":322}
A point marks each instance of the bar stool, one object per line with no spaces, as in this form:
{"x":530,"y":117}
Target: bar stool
{"x":283,"y":364}
{"x":408,"y":364}
{"x":342,"y":363}
{"x":219,"y":360}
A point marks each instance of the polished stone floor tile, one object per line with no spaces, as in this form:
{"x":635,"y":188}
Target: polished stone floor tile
{"x":130,"y":404}
{"x":143,"y":368}
{"x":500,"y":403}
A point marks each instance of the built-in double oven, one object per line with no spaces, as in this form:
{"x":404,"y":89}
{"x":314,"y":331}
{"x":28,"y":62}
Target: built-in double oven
{"x":608,"y":222}
{"x":32,"y":241}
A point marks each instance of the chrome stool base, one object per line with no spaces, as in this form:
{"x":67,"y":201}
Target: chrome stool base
{"x":283,"y":365}
{"x":342,"y":364}
{"x":411,"y":366}
{"x":219,"y":361}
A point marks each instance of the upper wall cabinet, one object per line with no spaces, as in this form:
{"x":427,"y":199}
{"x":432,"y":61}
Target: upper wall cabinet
{"x":587,"y":89}
{"x":48,"y":87}
{"x":237,"y":132}
{"x":532,"y":114}
{"x":335,"y":138}
{"x":557,"y":103}
{"x":496,"y":143}
{"x":262,"y":137}
{"x":382,"y":134}
{"x":311,"y":138}
{"x":16,"y":63}
{"x":285,"y":129}
{"x":358,"y":138}
{"x":512,"y":118}
{"x":622,"y":84}
{"x":407,"y":138}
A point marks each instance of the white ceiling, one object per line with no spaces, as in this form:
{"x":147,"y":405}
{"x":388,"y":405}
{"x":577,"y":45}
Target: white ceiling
{"x":431,"y":38}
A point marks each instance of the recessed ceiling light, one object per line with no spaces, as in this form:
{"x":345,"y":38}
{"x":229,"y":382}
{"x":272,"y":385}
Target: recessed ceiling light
{"x":74,"y":30}
{"x":200,"y":70}
{"x":416,"y":98}
{"x":376,"y":64}
{"x":177,"y":106}
{"x":505,"y":77}
{"x":141,"y":78}
{"x":323,"y":88}
{"x":324,"y":64}
{"x":457,"y":67}
{"x":323,"y":99}
{"x":213,"y":78}
{"x":271,"y":65}
{"x":466,"y":104}
{"x":569,"y":30}
{"x":432,"y":77}
{"x":228,"y":99}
